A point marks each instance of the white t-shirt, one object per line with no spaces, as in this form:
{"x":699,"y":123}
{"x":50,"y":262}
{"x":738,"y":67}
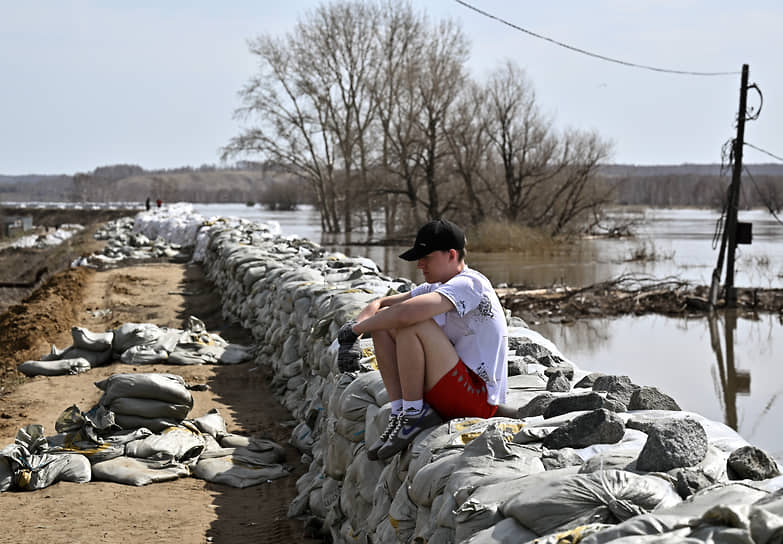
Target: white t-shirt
{"x":476,"y":327}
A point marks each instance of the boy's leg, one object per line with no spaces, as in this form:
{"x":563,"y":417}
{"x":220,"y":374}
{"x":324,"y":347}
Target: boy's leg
{"x":386,"y":357}
{"x":424,"y":356}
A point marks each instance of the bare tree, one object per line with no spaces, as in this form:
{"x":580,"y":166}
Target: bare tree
{"x":547,"y":180}
{"x":441,"y":76}
{"x":291,"y":113}
{"x":469,"y":142}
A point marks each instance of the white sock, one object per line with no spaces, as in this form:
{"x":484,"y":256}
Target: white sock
{"x":396,"y":407}
{"x":413,"y":406}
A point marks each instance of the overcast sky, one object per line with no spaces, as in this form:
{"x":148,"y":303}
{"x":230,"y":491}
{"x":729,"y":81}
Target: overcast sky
{"x":91,"y":83}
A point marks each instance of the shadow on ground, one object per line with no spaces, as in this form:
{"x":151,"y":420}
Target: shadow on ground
{"x":255,"y":514}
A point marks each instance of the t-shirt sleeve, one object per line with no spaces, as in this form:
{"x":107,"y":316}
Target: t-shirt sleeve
{"x":464,"y":293}
{"x":422,"y":289}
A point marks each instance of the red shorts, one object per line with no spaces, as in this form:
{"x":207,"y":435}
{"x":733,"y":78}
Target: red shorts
{"x":460,"y":393}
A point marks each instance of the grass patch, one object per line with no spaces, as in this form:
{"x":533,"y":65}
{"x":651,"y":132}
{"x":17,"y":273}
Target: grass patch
{"x":500,"y":236}
{"x":647,"y":252}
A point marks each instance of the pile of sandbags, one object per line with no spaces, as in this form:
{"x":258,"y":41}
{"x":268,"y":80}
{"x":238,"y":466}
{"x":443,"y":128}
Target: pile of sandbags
{"x":138,"y":344}
{"x":49,"y":238}
{"x":587,"y":457}
{"x":138,"y":434}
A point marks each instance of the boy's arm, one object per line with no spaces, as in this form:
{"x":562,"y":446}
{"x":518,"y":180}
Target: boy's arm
{"x":373,"y":307}
{"x":401,"y":311}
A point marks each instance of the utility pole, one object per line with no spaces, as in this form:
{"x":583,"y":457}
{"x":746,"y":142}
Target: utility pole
{"x":730,"y":229}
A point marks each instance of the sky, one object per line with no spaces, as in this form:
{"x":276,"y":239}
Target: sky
{"x":92,"y":83}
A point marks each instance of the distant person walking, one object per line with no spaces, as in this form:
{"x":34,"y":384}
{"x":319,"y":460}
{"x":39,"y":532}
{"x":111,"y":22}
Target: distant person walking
{"x":159,"y":202}
{"x":147,"y":203}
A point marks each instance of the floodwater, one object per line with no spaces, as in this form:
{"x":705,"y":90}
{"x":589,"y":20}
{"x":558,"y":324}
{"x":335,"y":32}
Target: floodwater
{"x":729,"y":368}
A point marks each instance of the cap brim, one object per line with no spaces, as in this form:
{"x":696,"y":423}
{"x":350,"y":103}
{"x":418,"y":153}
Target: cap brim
{"x":413,"y":254}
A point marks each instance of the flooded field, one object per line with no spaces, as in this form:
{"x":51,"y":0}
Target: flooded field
{"x":727,"y":369}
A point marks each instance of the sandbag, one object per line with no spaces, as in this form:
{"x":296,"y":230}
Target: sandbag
{"x":45,"y":470}
{"x":95,"y":358}
{"x":144,"y":355}
{"x":92,"y":341}
{"x":138,"y":472}
{"x":235,"y":473}
{"x":128,"y":335}
{"x":179,"y":444}
{"x":507,"y":531}
{"x":165,"y":387}
{"x":29,"y":471}
{"x":62,"y":367}
{"x":154,"y":424}
{"x":213,"y":424}
{"x":150,"y":408}
{"x":549,"y":502}
{"x":6,"y":474}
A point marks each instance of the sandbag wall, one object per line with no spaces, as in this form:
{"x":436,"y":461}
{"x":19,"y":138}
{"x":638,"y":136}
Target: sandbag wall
{"x":570,"y":474}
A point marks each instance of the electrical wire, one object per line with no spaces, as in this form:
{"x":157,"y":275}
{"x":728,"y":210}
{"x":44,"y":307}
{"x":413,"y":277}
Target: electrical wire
{"x":589,"y":53}
{"x":764,"y":199}
{"x":765,"y":152}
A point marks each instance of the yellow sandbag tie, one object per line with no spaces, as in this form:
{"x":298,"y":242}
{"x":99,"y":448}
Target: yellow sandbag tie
{"x":23,"y":478}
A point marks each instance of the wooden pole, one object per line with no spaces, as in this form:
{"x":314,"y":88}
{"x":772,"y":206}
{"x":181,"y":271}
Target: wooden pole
{"x":730,"y":228}
{"x":731,"y":218}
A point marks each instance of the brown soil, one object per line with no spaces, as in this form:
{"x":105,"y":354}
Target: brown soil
{"x":186,"y":510}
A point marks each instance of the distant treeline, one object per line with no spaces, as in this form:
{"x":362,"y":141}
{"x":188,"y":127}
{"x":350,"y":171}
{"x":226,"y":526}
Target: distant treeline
{"x":694,"y":185}
{"x":243,"y":182}
{"x":658,"y":186}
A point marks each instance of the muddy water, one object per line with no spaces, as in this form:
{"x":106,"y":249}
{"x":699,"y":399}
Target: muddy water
{"x":730,"y":369}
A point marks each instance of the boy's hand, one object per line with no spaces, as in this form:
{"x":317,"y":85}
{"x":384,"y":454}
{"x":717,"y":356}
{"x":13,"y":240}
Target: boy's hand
{"x":346,"y":336}
{"x":350,"y":352}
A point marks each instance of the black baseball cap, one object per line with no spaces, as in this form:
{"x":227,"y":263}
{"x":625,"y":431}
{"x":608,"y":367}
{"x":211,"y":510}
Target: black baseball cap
{"x":440,"y":234}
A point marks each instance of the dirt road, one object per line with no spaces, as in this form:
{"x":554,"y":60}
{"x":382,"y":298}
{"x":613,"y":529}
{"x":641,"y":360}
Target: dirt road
{"x":187,"y":510}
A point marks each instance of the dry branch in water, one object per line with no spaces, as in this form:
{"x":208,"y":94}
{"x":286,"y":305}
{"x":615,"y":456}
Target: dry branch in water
{"x":628,"y":294}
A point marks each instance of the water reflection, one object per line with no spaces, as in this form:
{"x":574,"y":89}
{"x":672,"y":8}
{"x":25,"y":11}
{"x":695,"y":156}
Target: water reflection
{"x":705,"y":364}
{"x":732,"y":381}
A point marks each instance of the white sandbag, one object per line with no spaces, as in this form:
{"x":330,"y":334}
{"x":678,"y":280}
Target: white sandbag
{"x":62,"y":367}
{"x":186,"y":357}
{"x":302,"y":438}
{"x":507,"y":531}
{"x":165,"y":387}
{"x":549,"y":502}
{"x":402,"y":514}
{"x":234,"y":354}
{"x":252,"y":443}
{"x":179,"y":444}
{"x":6,"y":474}
{"x":96,"y":358}
{"x":92,"y":341}
{"x":366,"y":389}
{"x":138,"y":472}
{"x":213,"y":424}
{"x":144,"y":355}
{"x":154,"y":424}
{"x":48,"y":469}
{"x":36,"y":471}
{"x":150,"y":408}
{"x":482,"y":509}
{"x":430,"y":480}
{"x":128,"y":335}
{"x":234,"y":473}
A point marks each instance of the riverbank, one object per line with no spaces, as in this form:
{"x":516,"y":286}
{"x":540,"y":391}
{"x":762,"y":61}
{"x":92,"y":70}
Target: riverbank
{"x":184,"y":510}
{"x":290,"y":296}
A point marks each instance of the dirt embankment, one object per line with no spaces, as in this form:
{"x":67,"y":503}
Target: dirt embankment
{"x":185,"y":510}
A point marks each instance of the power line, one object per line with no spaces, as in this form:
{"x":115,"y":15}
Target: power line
{"x":764,"y":199}
{"x":588,"y":53}
{"x":764,"y":151}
